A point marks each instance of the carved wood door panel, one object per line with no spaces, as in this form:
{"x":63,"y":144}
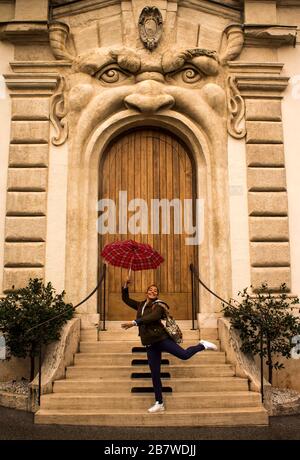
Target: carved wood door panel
{"x":149,"y":164}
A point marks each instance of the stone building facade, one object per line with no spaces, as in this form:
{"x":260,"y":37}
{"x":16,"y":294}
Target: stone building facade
{"x":218,"y":81}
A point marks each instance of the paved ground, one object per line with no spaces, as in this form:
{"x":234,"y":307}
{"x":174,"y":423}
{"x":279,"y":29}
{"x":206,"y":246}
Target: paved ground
{"x":18,"y":425}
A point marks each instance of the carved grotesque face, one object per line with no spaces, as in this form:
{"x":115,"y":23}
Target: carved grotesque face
{"x":106,"y":81}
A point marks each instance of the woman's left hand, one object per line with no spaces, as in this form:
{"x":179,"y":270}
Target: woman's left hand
{"x":126,"y":325}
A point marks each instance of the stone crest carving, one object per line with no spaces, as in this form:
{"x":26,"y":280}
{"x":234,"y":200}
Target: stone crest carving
{"x":150,"y":26}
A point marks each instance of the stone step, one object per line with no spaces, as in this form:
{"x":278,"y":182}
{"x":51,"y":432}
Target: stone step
{"x":182,"y":323}
{"x":125,"y":347}
{"x":133,"y":402}
{"x":192,"y":417}
{"x":207,"y":333}
{"x":118,"y":385}
{"x":126,"y":359}
{"x":188,"y":370}
{"x":129,"y":334}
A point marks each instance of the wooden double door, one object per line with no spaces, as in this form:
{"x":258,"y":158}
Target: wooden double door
{"x":149,"y":164}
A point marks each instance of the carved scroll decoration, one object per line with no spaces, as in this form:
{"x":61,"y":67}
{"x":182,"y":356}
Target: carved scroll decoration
{"x":236,"y":110}
{"x":58,"y":114}
{"x":271,"y":36}
{"x":235,"y":43}
{"x":58,"y":35}
{"x":150,"y":26}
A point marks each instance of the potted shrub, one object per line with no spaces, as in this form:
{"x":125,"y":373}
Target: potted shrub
{"x":266,"y":324}
{"x":32,"y":317}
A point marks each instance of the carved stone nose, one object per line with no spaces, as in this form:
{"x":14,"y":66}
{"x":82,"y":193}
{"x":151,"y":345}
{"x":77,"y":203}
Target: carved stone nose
{"x":149,"y":98}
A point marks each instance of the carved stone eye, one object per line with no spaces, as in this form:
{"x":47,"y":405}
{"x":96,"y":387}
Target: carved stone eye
{"x":111,"y":75}
{"x":190,"y":75}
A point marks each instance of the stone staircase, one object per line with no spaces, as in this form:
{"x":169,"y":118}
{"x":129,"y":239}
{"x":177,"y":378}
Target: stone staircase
{"x":110,"y":385}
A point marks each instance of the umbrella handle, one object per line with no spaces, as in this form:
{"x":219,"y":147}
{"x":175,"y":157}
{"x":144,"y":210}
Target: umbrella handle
{"x":128,"y":277}
{"x":129,"y":273}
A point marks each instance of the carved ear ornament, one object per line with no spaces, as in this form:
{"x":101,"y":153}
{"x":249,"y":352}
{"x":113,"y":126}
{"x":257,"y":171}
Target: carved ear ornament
{"x":58,"y":114}
{"x":236,"y":110}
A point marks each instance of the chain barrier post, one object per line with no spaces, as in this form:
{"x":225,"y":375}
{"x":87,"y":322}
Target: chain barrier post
{"x":104,"y":296}
{"x":40,"y":375}
{"x":261,"y":367}
{"x":193,"y":295}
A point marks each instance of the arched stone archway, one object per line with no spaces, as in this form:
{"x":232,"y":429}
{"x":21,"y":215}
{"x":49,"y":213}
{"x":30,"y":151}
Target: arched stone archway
{"x":211,"y":171}
{"x":148,"y":192}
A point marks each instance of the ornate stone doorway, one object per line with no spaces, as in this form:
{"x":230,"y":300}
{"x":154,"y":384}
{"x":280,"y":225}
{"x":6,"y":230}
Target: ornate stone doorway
{"x":150,"y":164}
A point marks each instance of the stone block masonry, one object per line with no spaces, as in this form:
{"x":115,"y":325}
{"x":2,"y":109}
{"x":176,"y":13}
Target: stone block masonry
{"x":267,"y":191}
{"x":26,"y":208}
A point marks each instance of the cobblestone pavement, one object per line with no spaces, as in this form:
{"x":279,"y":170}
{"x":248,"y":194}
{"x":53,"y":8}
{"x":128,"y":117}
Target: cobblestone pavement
{"x":18,"y":425}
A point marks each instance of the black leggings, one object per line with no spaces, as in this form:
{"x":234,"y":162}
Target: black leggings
{"x":154,"y":359}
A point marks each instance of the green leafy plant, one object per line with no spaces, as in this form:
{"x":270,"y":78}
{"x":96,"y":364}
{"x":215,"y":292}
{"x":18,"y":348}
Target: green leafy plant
{"x":266,"y":324}
{"x":21,"y":313}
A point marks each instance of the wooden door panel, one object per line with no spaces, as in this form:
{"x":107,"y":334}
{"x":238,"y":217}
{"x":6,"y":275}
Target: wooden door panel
{"x":150,"y":164}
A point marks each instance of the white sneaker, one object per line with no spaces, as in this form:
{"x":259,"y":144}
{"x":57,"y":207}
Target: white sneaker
{"x":208,"y":345}
{"x":157,"y":407}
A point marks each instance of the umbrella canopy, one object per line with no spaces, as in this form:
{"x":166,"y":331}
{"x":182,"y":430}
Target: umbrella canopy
{"x":132,"y":255}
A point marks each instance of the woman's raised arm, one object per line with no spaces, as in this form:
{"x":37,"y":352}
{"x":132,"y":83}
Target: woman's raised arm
{"x":130,"y":302}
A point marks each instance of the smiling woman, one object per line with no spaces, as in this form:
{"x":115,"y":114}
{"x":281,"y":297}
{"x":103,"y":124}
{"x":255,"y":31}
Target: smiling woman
{"x":155,"y":337}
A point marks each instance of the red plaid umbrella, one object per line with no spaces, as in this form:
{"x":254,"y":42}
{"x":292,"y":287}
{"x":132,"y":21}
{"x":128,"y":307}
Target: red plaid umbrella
{"x":132,"y":255}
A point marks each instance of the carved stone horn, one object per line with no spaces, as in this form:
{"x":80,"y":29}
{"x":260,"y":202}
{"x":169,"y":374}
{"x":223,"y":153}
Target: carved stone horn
{"x":235,"y":42}
{"x":58,"y":34}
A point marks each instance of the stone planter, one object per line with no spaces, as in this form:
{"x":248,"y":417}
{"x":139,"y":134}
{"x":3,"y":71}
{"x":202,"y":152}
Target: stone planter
{"x":284,"y":401}
{"x":15,"y":401}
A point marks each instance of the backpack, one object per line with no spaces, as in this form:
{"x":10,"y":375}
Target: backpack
{"x":169,"y":323}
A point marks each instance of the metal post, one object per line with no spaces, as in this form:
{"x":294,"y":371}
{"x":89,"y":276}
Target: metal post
{"x":197,"y":296}
{"x":99,"y":297}
{"x":261,"y":368}
{"x":198,"y":304}
{"x":99,"y":306}
{"x":193,"y":296}
{"x":104,"y":296}
{"x":40,"y":375}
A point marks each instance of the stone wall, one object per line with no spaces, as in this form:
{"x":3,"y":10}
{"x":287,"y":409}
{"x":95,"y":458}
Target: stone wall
{"x":26,"y":208}
{"x":252,"y":76}
{"x":290,"y":114}
{"x":267,"y":192}
{"x":6,"y":51}
{"x":14,"y":369}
